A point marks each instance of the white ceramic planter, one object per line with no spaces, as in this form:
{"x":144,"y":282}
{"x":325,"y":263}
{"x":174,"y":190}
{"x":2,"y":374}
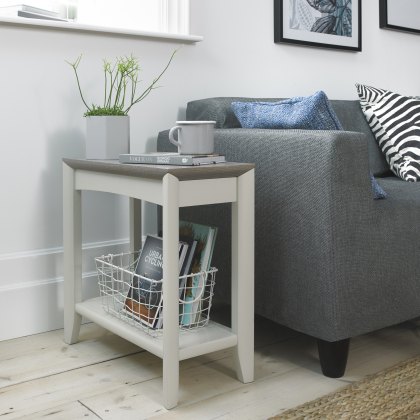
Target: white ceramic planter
{"x":107,"y":137}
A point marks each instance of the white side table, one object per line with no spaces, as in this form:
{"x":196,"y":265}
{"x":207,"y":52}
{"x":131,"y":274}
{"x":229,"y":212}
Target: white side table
{"x":171,"y":187}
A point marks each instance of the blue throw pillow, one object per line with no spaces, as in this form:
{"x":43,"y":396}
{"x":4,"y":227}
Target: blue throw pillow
{"x":378,"y":191}
{"x":310,"y":113}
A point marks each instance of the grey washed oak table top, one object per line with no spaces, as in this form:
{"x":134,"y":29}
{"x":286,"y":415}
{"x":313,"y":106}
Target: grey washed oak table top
{"x":183,"y":173}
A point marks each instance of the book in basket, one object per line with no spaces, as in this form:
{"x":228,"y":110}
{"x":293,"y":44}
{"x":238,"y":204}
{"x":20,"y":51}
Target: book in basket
{"x":205,"y":237}
{"x":171,"y":159}
{"x":144,"y":298}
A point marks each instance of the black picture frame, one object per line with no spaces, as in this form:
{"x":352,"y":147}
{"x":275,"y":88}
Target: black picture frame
{"x":285,"y":33}
{"x":388,"y":19}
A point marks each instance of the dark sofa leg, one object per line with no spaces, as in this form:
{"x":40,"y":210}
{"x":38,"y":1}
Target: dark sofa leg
{"x":333,"y":357}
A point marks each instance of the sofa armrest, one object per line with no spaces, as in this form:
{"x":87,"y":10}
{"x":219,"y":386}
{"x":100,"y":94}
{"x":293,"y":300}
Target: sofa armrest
{"x":314,"y":183}
{"x":313,"y":209}
{"x":329,"y":164}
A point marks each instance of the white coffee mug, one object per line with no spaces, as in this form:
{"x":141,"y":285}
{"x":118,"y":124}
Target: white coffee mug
{"x":194,"y":137}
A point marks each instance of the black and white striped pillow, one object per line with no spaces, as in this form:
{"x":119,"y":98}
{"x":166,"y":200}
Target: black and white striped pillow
{"x":395,"y":122}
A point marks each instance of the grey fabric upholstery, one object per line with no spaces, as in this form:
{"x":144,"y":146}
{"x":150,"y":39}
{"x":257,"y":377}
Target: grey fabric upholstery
{"x":349,"y":113}
{"x":330,"y":261}
{"x":352,"y":119}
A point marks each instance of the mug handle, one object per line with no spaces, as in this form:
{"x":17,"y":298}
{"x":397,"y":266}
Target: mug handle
{"x":171,"y":135}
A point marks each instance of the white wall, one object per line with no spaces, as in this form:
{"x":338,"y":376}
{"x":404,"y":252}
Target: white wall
{"x":40,"y":122}
{"x":241,"y":58}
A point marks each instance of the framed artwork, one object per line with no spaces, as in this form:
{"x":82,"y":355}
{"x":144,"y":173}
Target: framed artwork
{"x":401,"y":15}
{"x":319,"y":23}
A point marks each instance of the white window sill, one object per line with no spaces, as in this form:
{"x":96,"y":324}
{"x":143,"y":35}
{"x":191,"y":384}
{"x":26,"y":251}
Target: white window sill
{"x":98,"y":29}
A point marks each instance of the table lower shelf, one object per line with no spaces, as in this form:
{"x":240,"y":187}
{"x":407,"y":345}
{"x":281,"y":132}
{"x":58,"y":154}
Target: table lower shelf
{"x":192,"y":343}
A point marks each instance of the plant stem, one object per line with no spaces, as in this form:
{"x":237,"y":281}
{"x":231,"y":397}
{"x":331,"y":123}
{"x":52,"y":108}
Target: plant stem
{"x":111,"y":89}
{"x":121,"y":105}
{"x":74,"y":66}
{"x":151,"y":86}
{"x":106,"y":64}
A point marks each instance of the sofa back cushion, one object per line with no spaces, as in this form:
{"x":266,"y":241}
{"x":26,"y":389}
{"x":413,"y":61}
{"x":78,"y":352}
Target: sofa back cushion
{"x":352,"y":119}
{"x":348,"y":112}
{"x":219,"y":109}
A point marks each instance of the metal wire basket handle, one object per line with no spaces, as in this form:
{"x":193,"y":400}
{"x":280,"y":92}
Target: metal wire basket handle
{"x":203,"y":275}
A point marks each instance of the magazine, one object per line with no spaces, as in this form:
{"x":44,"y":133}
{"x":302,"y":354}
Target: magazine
{"x":195,"y":285}
{"x":144,"y":298}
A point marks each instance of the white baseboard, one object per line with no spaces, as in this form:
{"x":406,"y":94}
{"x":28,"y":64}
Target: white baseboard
{"x":31,"y":287}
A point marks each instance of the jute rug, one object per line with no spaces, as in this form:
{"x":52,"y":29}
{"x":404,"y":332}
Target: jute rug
{"x":391,"y":394}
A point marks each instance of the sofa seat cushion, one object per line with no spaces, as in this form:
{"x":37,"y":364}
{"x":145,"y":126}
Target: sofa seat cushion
{"x":402,"y":194}
{"x":397,"y":217}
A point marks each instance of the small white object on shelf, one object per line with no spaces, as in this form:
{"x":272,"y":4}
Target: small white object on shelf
{"x":171,"y":158}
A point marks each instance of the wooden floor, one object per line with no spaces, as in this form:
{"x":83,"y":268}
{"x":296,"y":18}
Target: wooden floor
{"x":105,"y":377}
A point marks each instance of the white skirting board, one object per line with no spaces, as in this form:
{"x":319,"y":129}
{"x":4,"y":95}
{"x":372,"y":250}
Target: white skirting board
{"x":31,"y":287}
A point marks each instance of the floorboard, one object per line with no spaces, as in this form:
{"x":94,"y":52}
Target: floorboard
{"x":104,"y":376}
{"x":42,"y":355}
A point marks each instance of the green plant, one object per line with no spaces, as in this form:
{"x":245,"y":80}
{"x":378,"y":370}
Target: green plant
{"x":120,"y":87}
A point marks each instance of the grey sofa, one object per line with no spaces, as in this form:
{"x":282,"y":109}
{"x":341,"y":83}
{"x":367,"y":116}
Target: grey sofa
{"x":330,"y":261}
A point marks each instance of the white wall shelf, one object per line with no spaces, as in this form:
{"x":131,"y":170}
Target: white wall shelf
{"x":78,"y":27}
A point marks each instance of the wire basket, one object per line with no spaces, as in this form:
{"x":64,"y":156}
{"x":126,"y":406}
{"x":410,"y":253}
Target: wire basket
{"x":137,"y":300}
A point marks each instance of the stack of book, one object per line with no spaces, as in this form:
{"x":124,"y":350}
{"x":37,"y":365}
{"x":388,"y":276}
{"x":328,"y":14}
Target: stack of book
{"x":194,"y":287}
{"x":171,"y":159}
{"x":144,"y":300}
{"x":27,"y":11}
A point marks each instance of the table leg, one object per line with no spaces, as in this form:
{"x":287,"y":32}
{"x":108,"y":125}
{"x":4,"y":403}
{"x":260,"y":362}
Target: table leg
{"x":170,"y":225}
{"x":72,"y":241}
{"x":243,"y":276}
{"x":135,"y":225}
